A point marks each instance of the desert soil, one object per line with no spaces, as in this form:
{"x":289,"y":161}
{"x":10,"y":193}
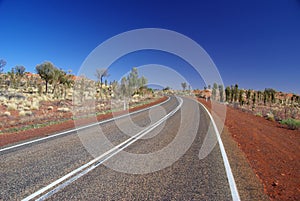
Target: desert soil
{"x":272,"y":151}
{"x":67,"y":124}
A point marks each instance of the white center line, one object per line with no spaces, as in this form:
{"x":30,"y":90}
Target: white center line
{"x":77,"y":173}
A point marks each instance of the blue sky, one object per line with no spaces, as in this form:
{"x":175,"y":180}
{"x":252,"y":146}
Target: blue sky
{"x":253,"y":43}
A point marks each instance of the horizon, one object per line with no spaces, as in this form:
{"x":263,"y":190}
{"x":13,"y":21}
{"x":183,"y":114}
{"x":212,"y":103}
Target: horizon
{"x":254,"y":45}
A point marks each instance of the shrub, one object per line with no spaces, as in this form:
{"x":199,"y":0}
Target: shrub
{"x":35,"y":106}
{"x":28,"y":113}
{"x":22,"y":113}
{"x":291,"y":123}
{"x":11,"y":106}
{"x":259,"y":114}
{"x":6,"y":114}
{"x":270,"y":117}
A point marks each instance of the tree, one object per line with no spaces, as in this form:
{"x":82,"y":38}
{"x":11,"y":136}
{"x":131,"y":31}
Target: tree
{"x":133,"y":81}
{"x":241,"y":97}
{"x":100,"y":74}
{"x":183,"y":85}
{"x":253,"y":99}
{"x":45,"y":70}
{"x":248,"y":96}
{"x":20,"y":70}
{"x":58,"y":77}
{"x":167,"y":88}
{"x":236,"y":92}
{"x":2,"y":65}
{"x":124,"y":86}
{"x":214,"y":91}
{"x":143,"y":81}
{"x":221,"y":91}
{"x":228,"y":94}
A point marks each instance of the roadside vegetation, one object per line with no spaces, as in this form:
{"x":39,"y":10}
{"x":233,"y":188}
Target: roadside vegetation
{"x":50,"y":95}
{"x":269,"y":103}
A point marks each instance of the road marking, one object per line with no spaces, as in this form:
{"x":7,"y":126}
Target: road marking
{"x":73,"y":176}
{"x":234,"y":191}
{"x":80,"y":128}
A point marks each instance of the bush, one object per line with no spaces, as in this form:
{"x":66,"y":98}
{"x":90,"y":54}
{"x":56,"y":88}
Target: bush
{"x":291,"y":123}
{"x":35,"y":106}
{"x":270,"y":117}
{"x":11,"y":106}
{"x":22,"y":113}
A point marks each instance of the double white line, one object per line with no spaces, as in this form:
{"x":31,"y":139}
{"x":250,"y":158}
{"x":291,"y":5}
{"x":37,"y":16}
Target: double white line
{"x":79,"y":172}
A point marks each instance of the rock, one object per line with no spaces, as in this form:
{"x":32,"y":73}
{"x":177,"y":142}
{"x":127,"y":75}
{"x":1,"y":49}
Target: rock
{"x":50,"y":108}
{"x":26,"y":108}
{"x":63,"y":109}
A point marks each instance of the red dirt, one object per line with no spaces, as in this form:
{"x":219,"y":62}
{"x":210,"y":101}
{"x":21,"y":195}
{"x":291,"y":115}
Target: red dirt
{"x":272,"y":151}
{"x":10,"y":138}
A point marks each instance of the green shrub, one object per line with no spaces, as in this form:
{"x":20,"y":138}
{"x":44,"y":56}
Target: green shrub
{"x":259,"y":114}
{"x":270,"y":117}
{"x":291,"y":123}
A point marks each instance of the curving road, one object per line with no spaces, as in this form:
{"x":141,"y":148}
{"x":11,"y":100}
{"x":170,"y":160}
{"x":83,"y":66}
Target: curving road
{"x":82,"y":166}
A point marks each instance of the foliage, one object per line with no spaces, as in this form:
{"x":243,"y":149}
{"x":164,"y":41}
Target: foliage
{"x":2,"y":65}
{"x":221,"y":91}
{"x":100,"y":74}
{"x":20,"y":70}
{"x":183,"y":85}
{"x":228,"y":94}
{"x":291,"y":123}
{"x":132,"y":84}
{"x":214,"y":91}
{"x":45,"y":70}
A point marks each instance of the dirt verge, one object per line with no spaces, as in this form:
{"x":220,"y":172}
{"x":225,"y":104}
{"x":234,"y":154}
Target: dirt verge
{"x":10,"y":138}
{"x":272,"y":151}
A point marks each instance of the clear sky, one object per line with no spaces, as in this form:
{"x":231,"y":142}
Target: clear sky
{"x":253,"y":43}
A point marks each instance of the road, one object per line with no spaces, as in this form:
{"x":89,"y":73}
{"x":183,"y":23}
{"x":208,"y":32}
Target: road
{"x":28,"y":169}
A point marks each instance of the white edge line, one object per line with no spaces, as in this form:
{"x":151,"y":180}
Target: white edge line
{"x":133,"y":138}
{"x":80,"y":128}
{"x":234,"y":191}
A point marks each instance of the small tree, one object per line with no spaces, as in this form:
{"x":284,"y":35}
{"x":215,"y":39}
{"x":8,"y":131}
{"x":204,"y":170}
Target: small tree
{"x":124,"y":87}
{"x":20,"y":70}
{"x":45,"y":70}
{"x":253,"y":99}
{"x":2,"y":65}
{"x":241,"y":97}
{"x":214,"y":91}
{"x":133,"y":81}
{"x":221,"y":91}
{"x":236,"y":92}
{"x":183,"y":85}
{"x":228,"y":94}
{"x":100,"y":74}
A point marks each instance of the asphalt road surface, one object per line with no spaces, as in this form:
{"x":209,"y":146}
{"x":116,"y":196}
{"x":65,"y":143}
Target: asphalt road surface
{"x":83,"y":166}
